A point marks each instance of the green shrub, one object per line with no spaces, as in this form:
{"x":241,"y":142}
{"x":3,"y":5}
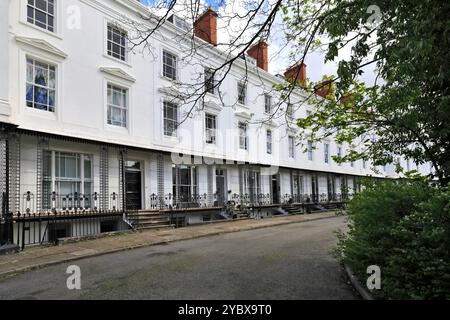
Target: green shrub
{"x":404,"y":228}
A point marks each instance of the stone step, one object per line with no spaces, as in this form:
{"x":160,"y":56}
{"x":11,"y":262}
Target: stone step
{"x":151,"y":215}
{"x":157,"y":227}
{"x":149,"y":222}
{"x":161,"y":219}
{"x":296,"y":212}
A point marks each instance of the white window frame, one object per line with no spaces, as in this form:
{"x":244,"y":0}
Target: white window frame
{"x":126,"y":108}
{"x":211,"y":132}
{"x":326,"y":152}
{"x":110,"y":53}
{"x":48,"y":88}
{"x":243,"y":138}
{"x":291,"y":147}
{"x":210,"y":79}
{"x":269,"y":140}
{"x":339,"y":154}
{"x":242,"y":87}
{"x":290,"y":112}
{"x":82,"y":179}
{"x":175,"y":106}
{"x":164,"y":52}
{"x":267,"y":103}
{"x":310,"y":149}
{"x":47,"y":14}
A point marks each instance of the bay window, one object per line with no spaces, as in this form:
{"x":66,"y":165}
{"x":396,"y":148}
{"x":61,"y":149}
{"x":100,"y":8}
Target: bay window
{"x":69,"y":176}
{"x":185,"y":187}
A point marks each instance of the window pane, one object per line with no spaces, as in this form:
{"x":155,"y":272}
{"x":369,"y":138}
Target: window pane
{"x":87,"y":167}
{"x":40,"y":87}
{"x":71,"y":167}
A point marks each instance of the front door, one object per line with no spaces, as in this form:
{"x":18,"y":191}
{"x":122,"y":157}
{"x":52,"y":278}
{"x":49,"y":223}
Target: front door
{"x":220,"y":187}
{"x":133,"y":185}
{"x":275,"y":190}
{"x":314,"y":188}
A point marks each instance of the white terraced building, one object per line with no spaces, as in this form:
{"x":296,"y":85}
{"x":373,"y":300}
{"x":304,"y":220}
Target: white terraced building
{"x":90,"y":126}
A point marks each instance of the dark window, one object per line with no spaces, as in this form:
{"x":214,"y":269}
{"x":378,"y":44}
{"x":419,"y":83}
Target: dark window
{"x":242,"y":92}
{"x":269,"y":141}
{"x":210,"y":127}
{"x":169,"y":65}
{"x":267,"y":103}
{"x":210,"y":81}
{"x":243,"y":139}
{"x":291,"y":146}
{"x":108,"y":226}
{"x":170,"y":119}
{"x":41,"y":13}
{"x":117,"y":42}
{"x":58,"y":230}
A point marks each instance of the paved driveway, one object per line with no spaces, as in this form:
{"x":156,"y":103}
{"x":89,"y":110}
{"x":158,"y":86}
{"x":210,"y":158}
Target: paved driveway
{"x":284,"y":262}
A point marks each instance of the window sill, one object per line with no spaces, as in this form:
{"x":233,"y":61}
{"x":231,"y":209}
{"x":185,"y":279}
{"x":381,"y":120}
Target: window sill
{"x":117,"y":128}
{"x":243,"y":106}
{"x":172,"y":139}
{"x":126,"y":63}
{"x":41,"y":113}
{"x":176,"y":81}
{"x":52,"y":34}
{"x":212,"y":95}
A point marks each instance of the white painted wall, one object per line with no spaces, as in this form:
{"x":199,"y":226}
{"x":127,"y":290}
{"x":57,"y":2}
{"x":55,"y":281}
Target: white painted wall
{"x":79,"y":54}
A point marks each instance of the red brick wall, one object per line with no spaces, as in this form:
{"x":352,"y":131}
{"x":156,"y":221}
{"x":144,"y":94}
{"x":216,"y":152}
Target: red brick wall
{"x":206,"y":27}
{"x":260,"y":52}
{"x":297,"y":72}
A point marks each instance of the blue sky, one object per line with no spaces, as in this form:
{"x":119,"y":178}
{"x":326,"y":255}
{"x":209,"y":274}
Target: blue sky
{"x":278,"y":62}
{"x":214,"y":3}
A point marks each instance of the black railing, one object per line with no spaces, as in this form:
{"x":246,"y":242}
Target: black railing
{"x":67,"y":202}
{"x":50,"y":227}
{"x":315,"y":198}
{"x":169,"y":201}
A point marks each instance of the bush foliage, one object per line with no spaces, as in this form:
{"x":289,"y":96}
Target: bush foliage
{"x":404,"y":228}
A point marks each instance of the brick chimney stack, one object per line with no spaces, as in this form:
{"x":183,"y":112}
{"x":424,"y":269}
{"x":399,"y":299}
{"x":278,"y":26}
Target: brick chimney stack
{"x":259,"y":52}
{"x":323,"y":89}
{"x":205,"y":27}
{"x":297,"y":72}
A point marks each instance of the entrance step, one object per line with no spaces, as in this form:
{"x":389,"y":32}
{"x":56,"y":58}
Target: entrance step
{"x":152,"y":220}
{"x":157,"y":227}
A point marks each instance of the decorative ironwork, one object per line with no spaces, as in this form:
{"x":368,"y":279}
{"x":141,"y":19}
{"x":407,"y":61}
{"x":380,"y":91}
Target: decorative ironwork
{"x":210,"y":199}
{"x":42,"y":169}
{"x":122,"y":183}
{"x":104,"y":178}
{"x":160,"y":178}
{"x":51,"y":227}
{"x":3,"y":174}
{"x":14,"y":172}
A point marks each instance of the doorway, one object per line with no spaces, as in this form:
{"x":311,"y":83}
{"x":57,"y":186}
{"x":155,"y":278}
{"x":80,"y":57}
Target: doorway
{"x":275,"y":189}
{"x":314,"y":188}
{"x":133,"y":185}
{"x":221,"y":190}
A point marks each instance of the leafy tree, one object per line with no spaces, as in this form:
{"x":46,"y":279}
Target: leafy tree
{"x":407,"y":110}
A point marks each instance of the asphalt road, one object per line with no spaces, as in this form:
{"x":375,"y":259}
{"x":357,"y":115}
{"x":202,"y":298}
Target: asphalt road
{"x":284,"y":262}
